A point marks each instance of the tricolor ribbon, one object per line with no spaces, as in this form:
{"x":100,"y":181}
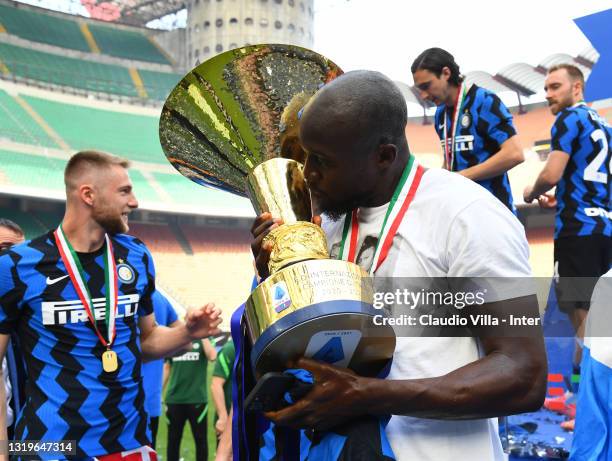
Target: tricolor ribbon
{"x":449,"y":152}
{"x":400,"y":202}
{"x":77,"y":276}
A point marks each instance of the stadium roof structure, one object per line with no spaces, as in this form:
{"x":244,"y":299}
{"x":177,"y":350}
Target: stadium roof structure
{"x":140,"y":12}
{"x":521,"y":78}
{"x":131,"y":12}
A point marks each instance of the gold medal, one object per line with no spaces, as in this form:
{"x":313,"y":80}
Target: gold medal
{"x":109,"y":361}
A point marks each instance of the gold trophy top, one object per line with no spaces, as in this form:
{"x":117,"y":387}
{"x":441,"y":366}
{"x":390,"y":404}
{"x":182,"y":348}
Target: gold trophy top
{"x":231,"y":124}
{"x":225,"y":117}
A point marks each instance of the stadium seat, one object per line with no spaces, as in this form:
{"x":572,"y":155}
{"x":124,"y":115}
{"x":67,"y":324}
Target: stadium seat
{"x":126,"y":44}
{"x":158,"y":84}
{"x":83,"y":127}
{"x":44,"y":28}
{"x":18,"y":126}
{"x":62,"y":70}
{"x":30,"y":225}
{"x":182,"y":190}
{"x":36,"y":171}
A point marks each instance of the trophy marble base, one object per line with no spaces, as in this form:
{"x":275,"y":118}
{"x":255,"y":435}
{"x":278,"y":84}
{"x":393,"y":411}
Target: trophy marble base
{"x":320,"y":309}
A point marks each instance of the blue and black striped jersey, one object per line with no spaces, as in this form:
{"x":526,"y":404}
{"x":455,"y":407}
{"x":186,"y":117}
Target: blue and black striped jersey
{"x":485,"y":124}
{"x":68,"y":395}
{"x":583,"y":194}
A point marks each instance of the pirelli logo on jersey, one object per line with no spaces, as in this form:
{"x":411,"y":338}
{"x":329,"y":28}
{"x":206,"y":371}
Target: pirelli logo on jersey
{"x":463,"y":143}
{"x":63,"y":312}
{"x":595,"y":211}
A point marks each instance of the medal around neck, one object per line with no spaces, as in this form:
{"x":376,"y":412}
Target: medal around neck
{"x":231,"y":124}
{"x":110,"y":363}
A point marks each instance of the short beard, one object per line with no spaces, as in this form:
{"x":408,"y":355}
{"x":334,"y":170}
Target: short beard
{"x":334,"y":216}
{"x":334,"y":212}
{"x":111,"y":224}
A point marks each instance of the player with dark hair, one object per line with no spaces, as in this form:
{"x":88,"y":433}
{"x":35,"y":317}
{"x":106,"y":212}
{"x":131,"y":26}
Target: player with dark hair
{"x":580,"y":166}
{"x":79,"y":298}
{"x":475,"y":127}
{"x":441,"y":391}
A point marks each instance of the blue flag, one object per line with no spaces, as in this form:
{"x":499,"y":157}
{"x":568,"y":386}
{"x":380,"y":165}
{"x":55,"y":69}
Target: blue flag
{"x":597,"y":29}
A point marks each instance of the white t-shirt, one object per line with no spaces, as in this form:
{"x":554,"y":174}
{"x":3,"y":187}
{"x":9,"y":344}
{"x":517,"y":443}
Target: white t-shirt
{"x":453,"y":228}
{"x":598,"y":334}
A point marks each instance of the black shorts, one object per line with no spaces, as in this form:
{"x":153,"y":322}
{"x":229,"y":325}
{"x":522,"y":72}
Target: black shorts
{"x":579,"y":262}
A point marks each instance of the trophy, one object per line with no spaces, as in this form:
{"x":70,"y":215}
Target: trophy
{"x":226,"y":126}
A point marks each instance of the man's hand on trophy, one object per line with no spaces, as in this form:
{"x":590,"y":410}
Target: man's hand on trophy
{"x":337,"y":395}
{"x":261,"y":227}
{"x":203,"y":322}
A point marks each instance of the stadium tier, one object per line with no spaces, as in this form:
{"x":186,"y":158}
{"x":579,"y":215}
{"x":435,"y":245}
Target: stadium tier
{"x":44,"y":28}
{"x":158,"y":85}
{"x":17,"y":125}
{"x":83,"y":127}
{"x":30,"y":225}
{"x":126,"y":44}
{"x":541,"y":251}
{"x":42,"y":174}
{"x":68,"y":33}
{"x":32,"y":171}
{"x":83,"y":74}
{"x":66,"y":71}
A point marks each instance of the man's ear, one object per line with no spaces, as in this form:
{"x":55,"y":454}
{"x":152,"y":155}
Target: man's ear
{"x":87,"y":194}
{"x":445,"y":73}
{"x":578,"y":87}
{"x":387,"y":154}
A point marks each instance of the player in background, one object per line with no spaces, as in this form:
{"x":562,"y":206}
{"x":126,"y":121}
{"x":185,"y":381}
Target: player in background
{"x":475,"y":127}
{"x":79,"y":298}
{"x":579,"y":166}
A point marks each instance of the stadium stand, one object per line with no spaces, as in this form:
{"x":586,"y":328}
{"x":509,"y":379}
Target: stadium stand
{"x":36,"y":171}
{"x":158,"y":84}
{"x":126,"y":44}
{"x":67,"y":33}
{"x":43,"y":28}
{"x":31,"y":226}
{"x":142,"y":188}
{"x":222,"y":278}
{"x":158,"y":237}
{"x":182,"y":190}
{"x":67,"y":71}
{"x":423,"y":139}
{"x":84,"y":127}
{"x":541,"y":251}
{"x":217,"y":240}
{"x":17,"y":125}
{"x":534,"y":126}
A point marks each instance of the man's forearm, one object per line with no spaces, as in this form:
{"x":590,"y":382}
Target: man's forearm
{"x":496,"y":165}
{"x":542,"y":185}
{"x":491,"y":386}
{"x":163,"y":342}
{"x":216,"y":390}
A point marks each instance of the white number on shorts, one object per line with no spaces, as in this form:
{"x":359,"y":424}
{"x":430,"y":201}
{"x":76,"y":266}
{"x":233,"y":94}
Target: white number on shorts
{"x":591,"y":172}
